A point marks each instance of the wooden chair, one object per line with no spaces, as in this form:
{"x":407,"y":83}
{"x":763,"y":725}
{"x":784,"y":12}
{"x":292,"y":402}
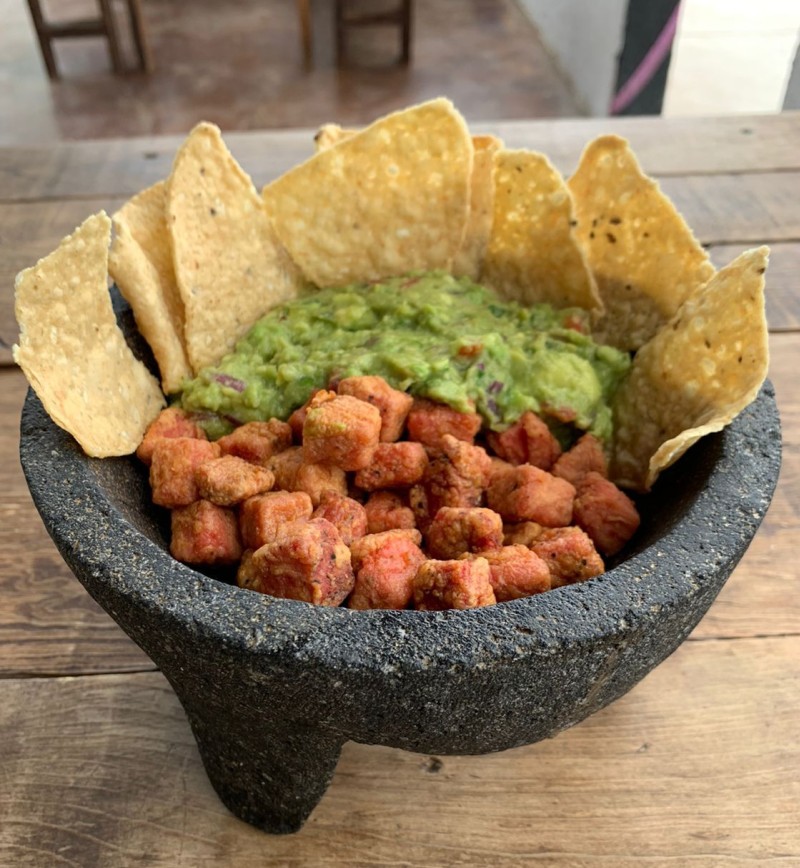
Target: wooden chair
{"x":400,"y":17}
{"x":103,"y":25}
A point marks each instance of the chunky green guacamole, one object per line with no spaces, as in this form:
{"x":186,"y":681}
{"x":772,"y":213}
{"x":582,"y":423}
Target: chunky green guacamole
{"x":433,"y":335}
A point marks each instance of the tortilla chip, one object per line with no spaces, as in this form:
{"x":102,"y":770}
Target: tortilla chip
{"x":74,"y":354}
{"x":467,"y":262}
{"x":390,"y":199}
{"x":702,"y":369}
{"x":229,"y":265}
{"x":644,"y":257}
{"x":140,"y":262}
{"x":469,"y":258}
{"x":533,"y":255}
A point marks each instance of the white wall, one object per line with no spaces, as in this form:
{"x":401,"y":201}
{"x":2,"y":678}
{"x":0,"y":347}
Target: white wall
{"x":585,"y":39}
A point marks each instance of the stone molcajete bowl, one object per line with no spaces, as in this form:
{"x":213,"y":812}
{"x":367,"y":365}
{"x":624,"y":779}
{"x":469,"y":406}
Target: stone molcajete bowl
{"x":273,"y":688}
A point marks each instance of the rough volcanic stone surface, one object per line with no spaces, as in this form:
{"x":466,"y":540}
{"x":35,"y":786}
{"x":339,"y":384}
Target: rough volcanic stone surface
{"x":273,"y":688}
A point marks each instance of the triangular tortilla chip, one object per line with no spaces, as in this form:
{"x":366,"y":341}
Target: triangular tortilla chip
{"x":533,"y":255}
{"x":644,"y":257}
{"x":230,"y":267}
{"x":140,"y":262}
{"x":74,"y":354}
{"x":702,"y":369}
{"x":390,"y":199}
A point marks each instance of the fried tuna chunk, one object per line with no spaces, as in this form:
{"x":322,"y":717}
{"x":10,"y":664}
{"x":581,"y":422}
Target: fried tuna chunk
{"x":524,"y":533}
{"x":170,"y":423}
{"x":457,"y":475}
{"x":586,"y":456}
{"x":306,"y":561}
{"x":392,"y":404}
{"x":385,"y":565}
{"x":173,"y":469}
{"x":230,"y":480}
{"x":515,"y":571}
{"x":456,"y":530}
{"x":262,"y":516}
{"x":341,"y":431}
{"x":293,"y":473}
{"x":257,"y":442}
{"x":607,"y":514}
{"x":527,"y":441}
{"x":527,"y":493}
{"x":348,"y":516}
{"x":388,"y":510}
{"x":394,"y":465}
{"x":569,"y":554}
{"x":428,"y":422}
{"x":462,"y":584}
{"x":204,"y":533}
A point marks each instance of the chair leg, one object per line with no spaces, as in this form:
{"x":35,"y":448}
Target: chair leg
{"x":304,"y":12}
{"x":139,"y":36}
{"x":406,"y":31}
{"x":110,"y":26}
{"x":44,"y":39}
{"x":339,"y":26}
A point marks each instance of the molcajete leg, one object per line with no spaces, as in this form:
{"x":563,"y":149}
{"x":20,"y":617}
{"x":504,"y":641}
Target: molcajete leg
{"x":269,"y":772}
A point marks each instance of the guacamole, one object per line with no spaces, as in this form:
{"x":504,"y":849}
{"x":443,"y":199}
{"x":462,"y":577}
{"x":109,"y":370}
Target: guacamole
{"x":436,"y":336}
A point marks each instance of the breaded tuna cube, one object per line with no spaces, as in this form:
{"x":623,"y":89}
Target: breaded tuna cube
{"x":173,"y":467}
{"x":457,"y":475}
{"x":262,"y":516}
{"x":462,"y":584}
{"x":387,"y":510}
{"x":230,"y":480}
{"x":524,"y":533}
{"x":170,"y":423}
{"x":457,"y":529}
{"x":246,"y":576}
{"x":607,"y":514}
{"x":527,"y":441}
{"x":306,"y":561}
{"x":586,"y":456}
{"x":343,"y":432}
{"x":392,"y":404}
{"x":428,"y":422}
{"x":569,"y":554}
{"x":298,"y":418}
{"x":394,"y":465}
{"x":204,"y":533}
{"x":385,"y":565}
{"x":515,"y":571}
{"x":257,"y":442}
{"x":527,"y":493}
{"x":348,"y":516}
{"x":292,"y":473}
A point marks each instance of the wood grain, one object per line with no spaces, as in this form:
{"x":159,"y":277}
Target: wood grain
{"x":656,"y":778}
{"x":667,"y":146}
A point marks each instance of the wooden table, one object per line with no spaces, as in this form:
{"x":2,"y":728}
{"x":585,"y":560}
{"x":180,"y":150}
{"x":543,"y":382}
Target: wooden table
{"x":698,"y":765}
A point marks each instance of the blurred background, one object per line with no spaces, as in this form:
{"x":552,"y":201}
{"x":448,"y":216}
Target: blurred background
{"x":250,"y":64}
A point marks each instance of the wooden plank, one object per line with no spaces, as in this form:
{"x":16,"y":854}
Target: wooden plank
{"x":666,"y":146}
{"x":695,"y":766}
{"x":725,"y":211}
{"x":48,"y":623}
{"x":783,"y":281}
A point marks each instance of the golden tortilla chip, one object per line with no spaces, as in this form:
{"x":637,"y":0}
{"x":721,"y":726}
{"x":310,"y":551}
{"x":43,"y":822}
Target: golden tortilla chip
{"x":702,"y":369}
{"x":469,"y":258}
{"x":533,"y":255}
{"x":390,"y":199}
{"x":467,"y":262}
{"x":74,"y":354}
{"x":229,"y":265}
{"x":140,"y":262}
{"x":644,"y":257}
